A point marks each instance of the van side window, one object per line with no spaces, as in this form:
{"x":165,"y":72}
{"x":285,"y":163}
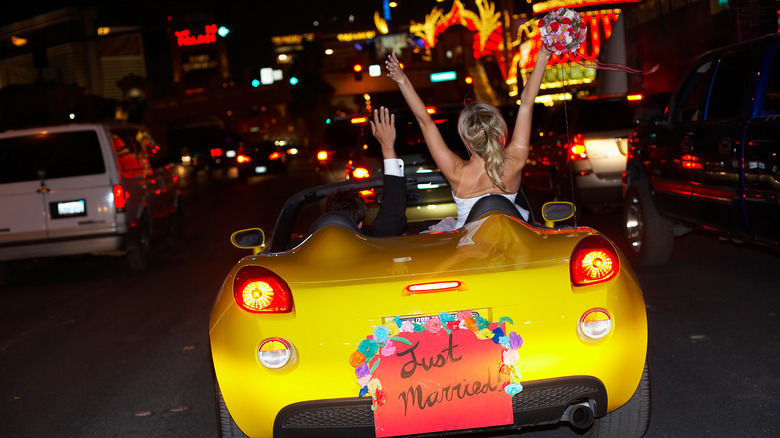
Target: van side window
{"x":692,"y":95}
{"x":730,"y":86}
{"x":50,"y":155}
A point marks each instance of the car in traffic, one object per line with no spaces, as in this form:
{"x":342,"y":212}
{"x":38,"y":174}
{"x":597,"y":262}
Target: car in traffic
{"x":501,"y":325}
{"x":578,"y":150}
{"x":261,"y":158}
{"x":93,"y":188}
{"x":350,"y":151}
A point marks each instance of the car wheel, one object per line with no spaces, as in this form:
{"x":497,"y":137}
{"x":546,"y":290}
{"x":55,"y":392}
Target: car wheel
{"x":649,"y":235}
{"x":227,"y":427}
{"x":630,"y":420}
{"x":139,"y":251}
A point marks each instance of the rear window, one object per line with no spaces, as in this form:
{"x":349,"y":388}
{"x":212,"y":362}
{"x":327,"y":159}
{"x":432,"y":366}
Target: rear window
{"x":410,"y":141}
{"x":605,"y":115}
{"x":50,"y":156}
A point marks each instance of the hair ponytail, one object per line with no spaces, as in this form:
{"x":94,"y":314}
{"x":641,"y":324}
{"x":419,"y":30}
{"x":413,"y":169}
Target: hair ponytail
{"x":482,"y":127}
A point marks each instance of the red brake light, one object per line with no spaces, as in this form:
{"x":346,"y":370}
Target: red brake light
{"x":430,"y":109}
{"x":439,"y":286}
{"x":120,"y":197}
{"x":258,"y":290}
{"x":358,"y":120}
{"x":360,"y":173}
{"x":594,"y":260}
{"x":322,"y":156}
{"x":275,"y":155}
{"x":634,"y":97}
{"x":577,"y":148}
{"x":243,"y":158}
{"x":216,"y":152}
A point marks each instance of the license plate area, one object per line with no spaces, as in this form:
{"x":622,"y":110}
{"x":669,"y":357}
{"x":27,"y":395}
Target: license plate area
{"x":65,"y":209}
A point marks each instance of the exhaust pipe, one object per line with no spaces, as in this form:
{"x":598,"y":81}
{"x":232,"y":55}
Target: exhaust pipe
{"x":579,"y":415}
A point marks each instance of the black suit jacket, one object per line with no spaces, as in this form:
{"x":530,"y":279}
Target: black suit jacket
{"x":391,"y":219}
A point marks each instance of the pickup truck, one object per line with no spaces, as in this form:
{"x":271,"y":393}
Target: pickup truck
{"x":711,"y":160}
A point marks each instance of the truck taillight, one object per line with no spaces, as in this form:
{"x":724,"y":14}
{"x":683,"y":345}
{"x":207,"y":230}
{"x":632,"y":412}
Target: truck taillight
{"x":259,"y":290}
{"x":577,"y":148}
{"x":120,"y":197}
{"x":594,"y":260}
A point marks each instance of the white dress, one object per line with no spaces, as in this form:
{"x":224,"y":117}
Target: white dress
{"x":463,"y":206}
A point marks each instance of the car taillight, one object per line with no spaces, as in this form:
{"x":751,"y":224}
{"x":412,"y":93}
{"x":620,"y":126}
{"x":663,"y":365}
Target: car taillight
{"x":577,"y":148}
{"x":275,"y":155}
{"x":358,"y":120}
{"x":595,"y":323}
{"x":323,"y":156}
{"x":259,"y":290}
{"x":360,"y":173}
{"x":120,"y":197}
{"x":216,"y":152}
{"x":594,"y":260}
{"x":241,"y":158}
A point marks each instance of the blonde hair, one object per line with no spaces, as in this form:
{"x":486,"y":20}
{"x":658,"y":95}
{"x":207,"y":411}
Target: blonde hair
{"x":484,"y":129}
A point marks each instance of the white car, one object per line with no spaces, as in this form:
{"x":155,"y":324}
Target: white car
{"x":84,"y":189}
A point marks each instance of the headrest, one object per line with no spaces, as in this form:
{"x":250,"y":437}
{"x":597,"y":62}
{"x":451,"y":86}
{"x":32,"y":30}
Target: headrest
{"x":334,"y":218}
{"x":493,"y":203}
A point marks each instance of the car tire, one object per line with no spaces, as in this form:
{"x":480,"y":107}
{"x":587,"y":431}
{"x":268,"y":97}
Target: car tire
{"x":227,"y":426}
{"x":649,"y":236}
{"x":139,"y":251}
{"x":630,"y":420}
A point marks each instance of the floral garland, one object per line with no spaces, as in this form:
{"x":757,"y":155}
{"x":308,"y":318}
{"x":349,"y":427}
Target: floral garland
{"x":382,"y":343}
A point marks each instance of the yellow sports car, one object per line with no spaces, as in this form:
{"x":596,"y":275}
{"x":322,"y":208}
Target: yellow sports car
{"x":500,"y":325}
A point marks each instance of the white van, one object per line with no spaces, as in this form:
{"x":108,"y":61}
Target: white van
{"x":84,"y":189}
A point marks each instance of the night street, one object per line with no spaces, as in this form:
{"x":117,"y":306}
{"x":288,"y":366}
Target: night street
{"x":90,"y":349}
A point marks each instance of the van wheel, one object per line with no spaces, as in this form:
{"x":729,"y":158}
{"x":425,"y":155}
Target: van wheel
{"x":227,"y":426}
{"x":139,"y":251}
{"x":630,"y":420}
{"x":649,"y":235}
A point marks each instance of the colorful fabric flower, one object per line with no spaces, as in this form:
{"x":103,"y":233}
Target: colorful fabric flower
{"x":363,"y":391}
{"x":510,"y":357}
{"x":463,"y":314}
{"x":512,"y":388}
{"x":484,"y":334}
{"x":364,"y":380}
{"x":373,"y":386}
{"x":453,"y":325}
{"x":362,"y":370}
{"x":444,"y":317}
{"x":471,"y":324}
{"x":407,"y":327}
{"x":393,"y":328}
{"x":381,"y":333}
{"x":357,"y":358}
{"x":497,"y":335}
{"x":482,"y":323}
{"x":368,"y":347}
{"x":388,"y":349}
{"x":433,"y":325}
{"x":514,"y":341}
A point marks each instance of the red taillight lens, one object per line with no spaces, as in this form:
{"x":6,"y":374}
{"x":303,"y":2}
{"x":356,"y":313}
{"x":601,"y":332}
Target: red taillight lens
{"x":577,"y":148}
{"x":216,"y":152}
{"x":120,"y":197}
{"x":274,"y":156}
{"x":258,"y":290}
{"x":243,"y":159}
{"x":360,"y":173}
{"x":358,"y":120}
{"x":322,"y":156}
{"x":594,"y":260}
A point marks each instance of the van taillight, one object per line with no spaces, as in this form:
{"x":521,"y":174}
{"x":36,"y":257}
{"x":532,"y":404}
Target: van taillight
{"x":120,"y":197}
{"x":594,"y":260}
{"x":259,"y":290}
{"x":577,"y":148}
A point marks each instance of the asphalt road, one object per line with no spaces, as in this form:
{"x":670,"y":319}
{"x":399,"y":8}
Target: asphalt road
{"x":90,"y":349}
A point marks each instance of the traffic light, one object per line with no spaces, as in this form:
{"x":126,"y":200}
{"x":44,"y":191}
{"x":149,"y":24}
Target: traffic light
{"x":358,"y":69}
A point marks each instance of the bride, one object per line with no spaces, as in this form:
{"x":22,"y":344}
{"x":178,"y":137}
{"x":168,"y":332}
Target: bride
{"x":494,"y":166}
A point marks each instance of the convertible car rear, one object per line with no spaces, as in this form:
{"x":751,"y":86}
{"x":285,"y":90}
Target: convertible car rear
{"x":500,"y":325}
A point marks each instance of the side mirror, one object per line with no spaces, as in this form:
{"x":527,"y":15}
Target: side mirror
{"x":553,"y":212}
{"x":251,"y":238}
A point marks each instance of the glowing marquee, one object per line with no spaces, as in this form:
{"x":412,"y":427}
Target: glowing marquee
{"x":184,"y":38}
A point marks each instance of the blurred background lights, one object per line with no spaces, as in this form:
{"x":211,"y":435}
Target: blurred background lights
{"x":374,"y":70}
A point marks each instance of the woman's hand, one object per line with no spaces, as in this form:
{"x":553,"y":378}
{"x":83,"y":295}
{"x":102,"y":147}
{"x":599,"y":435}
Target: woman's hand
{"x":394,"y":70}
{"x":383,"y":128}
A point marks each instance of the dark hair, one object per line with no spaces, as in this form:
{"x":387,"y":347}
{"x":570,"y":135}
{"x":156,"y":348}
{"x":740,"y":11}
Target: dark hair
{"x":348,"y":202}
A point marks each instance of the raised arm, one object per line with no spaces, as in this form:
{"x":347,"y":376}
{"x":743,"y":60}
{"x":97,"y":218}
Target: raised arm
{"x":521,"y":137}
{"x":444,"y":157}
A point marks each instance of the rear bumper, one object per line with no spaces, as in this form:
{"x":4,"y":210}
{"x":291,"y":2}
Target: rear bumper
{"x":94,"y":244}
{"x":540,"y":402}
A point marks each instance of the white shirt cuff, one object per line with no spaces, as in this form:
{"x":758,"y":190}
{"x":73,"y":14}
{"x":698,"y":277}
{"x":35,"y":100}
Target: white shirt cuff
{"x":394,"y":167}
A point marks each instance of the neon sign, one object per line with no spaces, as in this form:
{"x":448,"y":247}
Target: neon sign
{"x":184,"y":38}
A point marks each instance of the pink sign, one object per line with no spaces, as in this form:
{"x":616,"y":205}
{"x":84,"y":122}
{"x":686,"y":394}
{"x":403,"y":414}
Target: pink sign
{"x":441,"y":381}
